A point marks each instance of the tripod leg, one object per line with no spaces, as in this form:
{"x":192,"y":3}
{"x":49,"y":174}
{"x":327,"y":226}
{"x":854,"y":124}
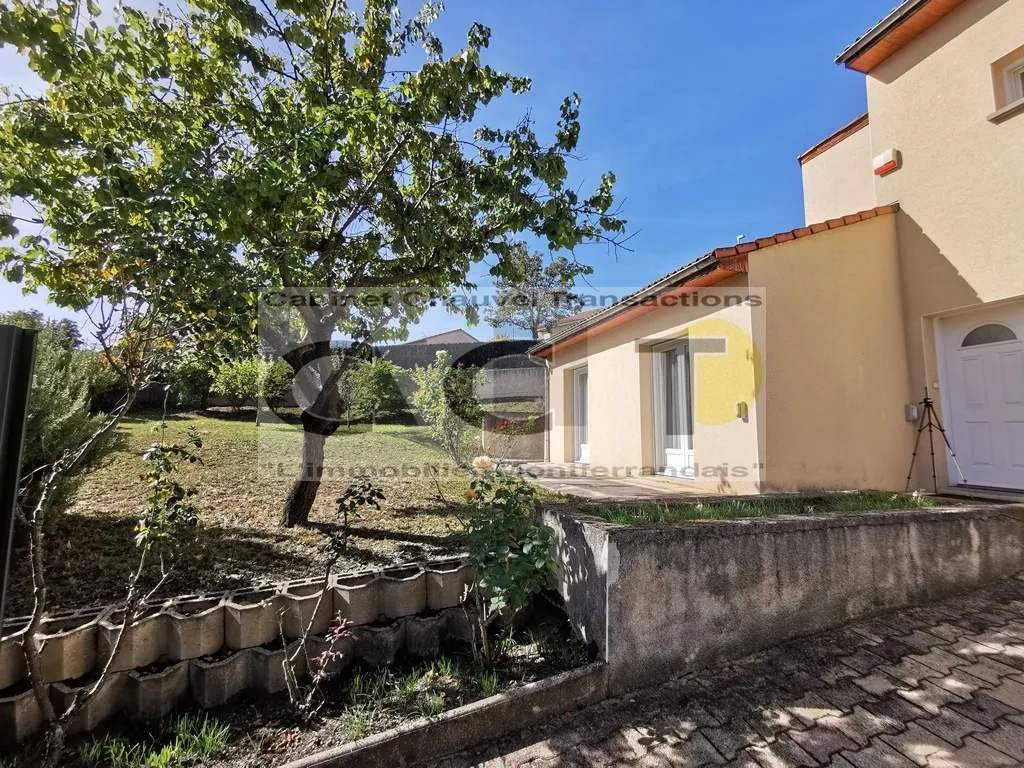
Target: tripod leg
{"x":952,"y":453}
{"x":913,"y":456}
{"x":931,"y":444}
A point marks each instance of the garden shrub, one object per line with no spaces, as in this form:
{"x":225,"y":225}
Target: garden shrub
{"x":510,"y":551}
{"x":375,"y":390}
{"x":445,"y":400}
{"x":64,"y":382}
{"x":192,"y":381}
{"x":277,"y":379}
{"x":239,"y":381}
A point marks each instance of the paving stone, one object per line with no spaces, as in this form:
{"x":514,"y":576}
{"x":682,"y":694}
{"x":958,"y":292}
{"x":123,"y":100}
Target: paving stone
{"x":1010,"y":655}
{"x":879,"y":755}
{"x":542,"y":750}
{"x":733,"y":737}
{"x":891,"y":650}
{"x":878,"y":683}
{"x":833,"y":673}
{"x":975,"y":754}
{"x":983,"y":709}
{"x":941,"y":686}
{"x":989,"y":670}
{"x":822,"y":741}
{"x":1010,"y":693}
{"x":728,"y":707}
{"x":909,"y":671}
{"x":930,"y":697}
{"x":743,"y":761}
{"x":614,"y":750}
{"x":861,"y":725}
{"x":864,"y":661}
{"x":845,"y":695}
{"x":896,"y":708}
{"x":772,"y":720}
{"x":782,"y":753}
{"x":919,"y":745}
{"x":970,"y":649}
{"x":1007,"y":737}
{"x":940,"y":660}
{"x":961,"y":683}
{"x":921,"y":640}
{"x":695,"y":751}
{"x":948,"y":632}
{"x":951,"y":727}
{"x":811,"y":707}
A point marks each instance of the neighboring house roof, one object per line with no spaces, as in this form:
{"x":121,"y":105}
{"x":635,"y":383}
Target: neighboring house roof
{"x":569,"y":320}
{"x":710,"y":269}
{"x":902,"y":25}
{"x":458,"y":336}
{"x":843,"y":133}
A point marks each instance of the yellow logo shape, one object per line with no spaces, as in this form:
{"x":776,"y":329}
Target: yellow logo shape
{"x":728,"y":369}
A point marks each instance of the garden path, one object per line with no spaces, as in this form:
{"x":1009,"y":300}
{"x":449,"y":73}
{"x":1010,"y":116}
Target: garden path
{"x":940,"y":686}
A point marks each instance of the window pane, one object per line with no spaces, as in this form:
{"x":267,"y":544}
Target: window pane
{"x":989,"y":334}
{"x":673,"y":412}
{"x":584,"y":394}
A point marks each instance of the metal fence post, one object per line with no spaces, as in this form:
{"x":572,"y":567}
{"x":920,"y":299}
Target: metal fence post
{"x":17,"y":359}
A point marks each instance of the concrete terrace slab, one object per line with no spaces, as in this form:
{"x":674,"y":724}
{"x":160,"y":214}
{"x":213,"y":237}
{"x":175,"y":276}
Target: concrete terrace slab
{"x":843,"y":698}
{"x":577,"y":480}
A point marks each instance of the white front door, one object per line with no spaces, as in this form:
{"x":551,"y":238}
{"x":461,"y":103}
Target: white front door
{"x":673,"y":407}
{"x":983,"y":390}
{"x":581,"y":414}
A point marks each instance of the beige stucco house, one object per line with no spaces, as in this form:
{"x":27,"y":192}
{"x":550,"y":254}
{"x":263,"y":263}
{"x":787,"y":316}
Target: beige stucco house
{"x":794,"y":361}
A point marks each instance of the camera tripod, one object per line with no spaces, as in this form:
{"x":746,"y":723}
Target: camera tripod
{"x":930,"y":421}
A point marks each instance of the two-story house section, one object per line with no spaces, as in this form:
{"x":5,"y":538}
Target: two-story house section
{"x":907,"y":278}
{"x":944,"y":136}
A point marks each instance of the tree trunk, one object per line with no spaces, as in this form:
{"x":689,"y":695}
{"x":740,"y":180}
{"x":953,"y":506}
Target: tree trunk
{"x":316,"y":376}
{"x":302,"y":495}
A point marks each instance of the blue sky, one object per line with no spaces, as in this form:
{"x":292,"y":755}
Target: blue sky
{"x":699,"y":108}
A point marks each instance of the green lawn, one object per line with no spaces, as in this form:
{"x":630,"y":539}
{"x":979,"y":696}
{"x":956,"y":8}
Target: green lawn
{"x":767,"y":506}
{"x":242,"y":482}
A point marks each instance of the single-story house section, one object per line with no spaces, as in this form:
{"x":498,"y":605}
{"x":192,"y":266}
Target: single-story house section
{"x":797,"y":361}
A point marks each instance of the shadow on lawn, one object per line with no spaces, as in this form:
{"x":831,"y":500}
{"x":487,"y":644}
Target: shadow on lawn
{"x":89,"y":561}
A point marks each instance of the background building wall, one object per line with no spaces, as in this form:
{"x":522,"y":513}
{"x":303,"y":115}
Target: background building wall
{"x":840,"y":180}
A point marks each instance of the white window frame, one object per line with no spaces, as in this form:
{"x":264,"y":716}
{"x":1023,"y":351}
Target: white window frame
{"x":658,"y":401}
{"x":581,"y":417}
{"x":1014,"y":78}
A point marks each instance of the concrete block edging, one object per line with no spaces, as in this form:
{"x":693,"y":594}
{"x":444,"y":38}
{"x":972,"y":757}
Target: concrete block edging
{"x":180,"y":634}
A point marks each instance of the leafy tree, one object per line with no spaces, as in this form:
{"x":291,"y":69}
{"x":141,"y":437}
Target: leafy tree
{"x":445,"y":400}
{"x":240,"y":381}
{"x":376,"y":390}
{"x":191,"y":378}
{"x":536,"y":295}
{"x":192,"y":159}
{"x":66,"y":332}
{"x":277,"y":378}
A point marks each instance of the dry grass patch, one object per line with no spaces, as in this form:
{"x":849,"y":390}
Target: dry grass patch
{"x":90,"y":549}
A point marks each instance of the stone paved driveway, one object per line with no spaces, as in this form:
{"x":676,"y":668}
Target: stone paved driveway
{"x":937,"y":686}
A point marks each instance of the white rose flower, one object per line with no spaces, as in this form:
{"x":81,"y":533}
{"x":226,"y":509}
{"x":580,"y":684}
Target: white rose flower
{"x":483,"y":463}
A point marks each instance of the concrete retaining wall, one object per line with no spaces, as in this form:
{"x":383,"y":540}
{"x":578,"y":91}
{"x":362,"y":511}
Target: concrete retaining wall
{"x":212,"y":647}
{"x":528,"y":446}
{"x":655,"y":601}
